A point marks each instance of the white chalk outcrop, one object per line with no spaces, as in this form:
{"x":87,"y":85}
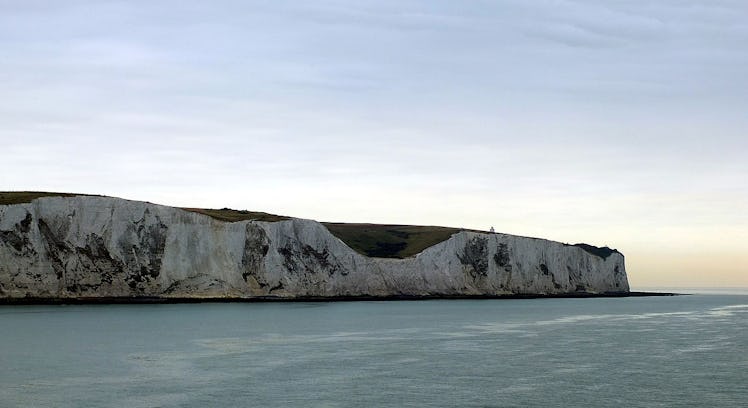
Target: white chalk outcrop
{"x":88,"y":247}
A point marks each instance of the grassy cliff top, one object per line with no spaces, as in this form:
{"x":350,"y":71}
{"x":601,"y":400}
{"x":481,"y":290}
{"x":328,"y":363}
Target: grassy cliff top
{"x":224,"y":214}
{"x":374,"y":240}
{"x":389,"y":241}
{"x":602,"y":252}
{"x":21,"y":197}
{"x":383,"y":241}
{"x":229,"y":215}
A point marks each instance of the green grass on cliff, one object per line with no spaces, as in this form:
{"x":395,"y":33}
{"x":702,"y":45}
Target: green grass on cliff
{"x":382,"y":241}
{"x":229,"y":215}
{"x":602,"y":252}
{"x":375,"y":240}
{"x":22,"y":197}
{"x":389,"y":241}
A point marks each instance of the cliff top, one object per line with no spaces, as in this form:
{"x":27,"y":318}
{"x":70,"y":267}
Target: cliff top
{"x":374,"y":240}
{"x":389,"y":241}
{"x":229,"y":215}
{"x":21,"y":197}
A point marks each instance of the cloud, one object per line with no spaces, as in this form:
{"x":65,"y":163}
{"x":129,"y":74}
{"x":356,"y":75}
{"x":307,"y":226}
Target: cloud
{"x":540,"y":114}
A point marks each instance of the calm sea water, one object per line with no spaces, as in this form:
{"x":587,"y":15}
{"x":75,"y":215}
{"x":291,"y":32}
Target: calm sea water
{"x":630,"y":352}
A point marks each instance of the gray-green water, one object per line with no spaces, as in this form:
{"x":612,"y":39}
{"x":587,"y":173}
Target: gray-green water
{"x":655,"y":351}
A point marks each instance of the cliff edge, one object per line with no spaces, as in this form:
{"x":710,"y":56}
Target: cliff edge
{"x":86,"y":247}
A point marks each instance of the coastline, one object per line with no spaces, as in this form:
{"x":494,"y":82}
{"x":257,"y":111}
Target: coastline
{"x":267,"y":299}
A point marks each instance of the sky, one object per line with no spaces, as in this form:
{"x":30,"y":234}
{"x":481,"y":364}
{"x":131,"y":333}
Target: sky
{"x":620,"y":122}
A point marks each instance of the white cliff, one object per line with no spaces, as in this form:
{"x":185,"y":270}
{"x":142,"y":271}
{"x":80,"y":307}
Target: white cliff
{"x":89,"y":247}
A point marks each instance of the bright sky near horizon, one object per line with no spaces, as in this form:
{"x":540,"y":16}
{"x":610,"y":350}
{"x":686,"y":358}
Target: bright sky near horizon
{"x":618,"y":122}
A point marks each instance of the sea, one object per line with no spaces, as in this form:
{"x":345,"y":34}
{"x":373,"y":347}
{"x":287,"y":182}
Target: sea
{"x":679,"y":351}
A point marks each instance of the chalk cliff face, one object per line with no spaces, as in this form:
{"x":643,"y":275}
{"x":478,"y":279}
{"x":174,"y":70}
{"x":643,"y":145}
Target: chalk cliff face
{"x":82,"y":247}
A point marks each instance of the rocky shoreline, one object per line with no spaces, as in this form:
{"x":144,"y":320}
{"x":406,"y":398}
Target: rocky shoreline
{"x":274,"y":299}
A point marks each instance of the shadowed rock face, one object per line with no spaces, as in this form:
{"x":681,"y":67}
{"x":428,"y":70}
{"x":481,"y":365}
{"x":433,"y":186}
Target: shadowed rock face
{"x":59,"y":247}
{"x":256,"y":247}
{"x":475,"y":257}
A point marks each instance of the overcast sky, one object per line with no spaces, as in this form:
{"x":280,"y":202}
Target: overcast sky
{"x":618,"y":122}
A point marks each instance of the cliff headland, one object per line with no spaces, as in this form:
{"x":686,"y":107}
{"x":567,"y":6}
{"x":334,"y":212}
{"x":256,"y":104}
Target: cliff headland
{"x":56,"y":247}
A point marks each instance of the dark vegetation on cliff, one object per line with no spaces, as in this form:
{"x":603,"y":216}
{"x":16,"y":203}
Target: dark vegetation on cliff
{"x":603,"y":252}
{"x":229,"y":215}
{"x":375,"y":240}
{"x":21,"y":197}
{"x":389,"y":241}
